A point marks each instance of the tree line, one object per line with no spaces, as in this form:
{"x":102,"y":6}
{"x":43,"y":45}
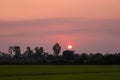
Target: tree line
{"x":39,"y":56}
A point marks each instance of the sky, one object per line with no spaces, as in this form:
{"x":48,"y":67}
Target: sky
{"x":90,"y":26}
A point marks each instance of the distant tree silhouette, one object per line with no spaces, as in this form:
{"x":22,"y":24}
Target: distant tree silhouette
{"x":96,"y":58}
{"x":56,"y":49}
{"x":46,"y":54}
{"x":68,"y":57}
{"x":36,"y":50}
{"x":10,"y":50}
{"x":15,"y":54}
{"x":39,"y":51}
{"x":16,"y":50}
{"x":28,"y":51}
{"x":84,"y":58}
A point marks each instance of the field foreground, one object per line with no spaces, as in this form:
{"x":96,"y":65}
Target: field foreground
{"x":59,"y":72}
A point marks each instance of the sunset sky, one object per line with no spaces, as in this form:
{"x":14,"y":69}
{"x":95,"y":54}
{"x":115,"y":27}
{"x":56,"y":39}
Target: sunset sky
{"x":87,"y":25}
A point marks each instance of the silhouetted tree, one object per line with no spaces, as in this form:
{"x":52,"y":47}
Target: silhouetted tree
{"x":10,"y":50}
{"x":97,"y":58}
{"x":45,"y":54}
{"x":36,"y":50}
{"x":84,"y":58}
{"x":15,"y":54}
{"x":16,"y":50}
{"x":112,"y":58}
{"x":28,"y":52}
{"x":56,"y":49}
{"x":68,"y":55}
{"x":39,"y":54}
{"x":39,"y":51}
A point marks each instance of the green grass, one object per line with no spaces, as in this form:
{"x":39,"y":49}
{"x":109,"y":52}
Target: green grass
{"x":59,"y":72}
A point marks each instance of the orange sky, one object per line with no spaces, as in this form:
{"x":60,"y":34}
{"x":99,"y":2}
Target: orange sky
{"x":37,"y":9}
{"x":88,"y":25}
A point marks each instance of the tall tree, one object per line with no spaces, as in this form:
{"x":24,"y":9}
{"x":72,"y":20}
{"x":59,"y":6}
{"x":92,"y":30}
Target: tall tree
{"x":28,"y":52}
{"x":14,"y":50}
{"x":56,"y":49}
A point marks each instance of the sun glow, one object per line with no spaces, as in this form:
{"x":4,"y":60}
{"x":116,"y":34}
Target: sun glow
{"x":70,"y":47}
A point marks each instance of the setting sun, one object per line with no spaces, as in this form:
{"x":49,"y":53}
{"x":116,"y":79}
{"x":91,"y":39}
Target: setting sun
{"x":70,"y":47}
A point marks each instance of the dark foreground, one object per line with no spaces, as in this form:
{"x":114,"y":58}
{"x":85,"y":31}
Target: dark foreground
{"x":59,"y":72}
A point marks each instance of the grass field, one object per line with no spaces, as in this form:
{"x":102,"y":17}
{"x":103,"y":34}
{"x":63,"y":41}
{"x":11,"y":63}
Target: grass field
{"x":59,"y":72}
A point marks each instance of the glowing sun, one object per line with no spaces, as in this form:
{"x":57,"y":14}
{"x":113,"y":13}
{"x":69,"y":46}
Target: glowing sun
{"x":70,"y":47}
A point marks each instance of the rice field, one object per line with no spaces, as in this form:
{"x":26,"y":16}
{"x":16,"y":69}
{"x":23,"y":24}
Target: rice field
{"x":59,"y":72}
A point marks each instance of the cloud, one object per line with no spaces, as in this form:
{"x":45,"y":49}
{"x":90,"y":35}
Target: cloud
{"x":60,"y":26}
{"x":86,"y":34}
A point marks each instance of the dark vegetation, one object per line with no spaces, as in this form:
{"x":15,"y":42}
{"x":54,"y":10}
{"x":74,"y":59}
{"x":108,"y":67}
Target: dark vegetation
{"x":39,"y":56}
